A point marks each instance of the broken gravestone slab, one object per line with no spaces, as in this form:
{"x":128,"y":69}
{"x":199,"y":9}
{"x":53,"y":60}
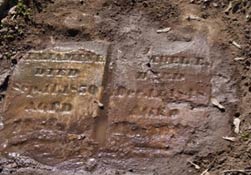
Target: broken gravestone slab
{"x":163,"y":94}
{"x":159,"y":102}
{"x":52,"y":101}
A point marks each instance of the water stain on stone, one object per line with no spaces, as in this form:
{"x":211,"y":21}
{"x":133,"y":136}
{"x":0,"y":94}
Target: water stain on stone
{"x":141,"y":98}
{"x":51,"y":101}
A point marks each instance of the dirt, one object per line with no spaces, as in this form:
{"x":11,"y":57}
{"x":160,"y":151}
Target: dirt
{"x":207,"y":29}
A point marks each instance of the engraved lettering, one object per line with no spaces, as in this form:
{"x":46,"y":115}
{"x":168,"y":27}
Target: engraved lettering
{"x":161,"y":92}
{"x":165,"y":59}
{"x":85,"y":57}
{"x":56,"y":89}
{"x":60,"y":72}
{"x":120,"y":91}
{"x":73,"y":72}
{"x":66,"y":107}
{"x":145,"y":110}
{"x":53,"y":107}
{"x":39,"y":72}
{"x":82,"y":90}
{"x":141,"y":75}
{"x":165,"y":76}
{"x":51,"y":72}
{"x":92,"y":89}
{"x":131,"y":92}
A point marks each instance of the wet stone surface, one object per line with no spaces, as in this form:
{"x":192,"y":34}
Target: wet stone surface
{"x":158,"y":109}
{"x":52,"y":101}
{"x":159,"y":95}
{"x":122,"y":106}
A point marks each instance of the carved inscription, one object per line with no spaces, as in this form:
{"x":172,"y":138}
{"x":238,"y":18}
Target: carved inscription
{"x":55,"y":91}
{"x":163,"y":75}
{"x":159,"y":98}
{"x":163,"y":91}
{"x":47,"y":80}
{"x":85,"y":57}
{"x":181,"y":60}
{"x":53,"y":107}
{"x":174,"y":78}
{"x":51,"y":72}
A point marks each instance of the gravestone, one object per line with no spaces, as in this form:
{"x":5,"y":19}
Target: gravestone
{"x":52,"y":101}
{"x":159,"y":103}
{"x":144,"y":102}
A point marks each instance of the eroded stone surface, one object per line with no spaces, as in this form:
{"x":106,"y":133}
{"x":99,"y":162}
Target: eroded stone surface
{"x":159,"y":88}
{"x":53,"y":100}
{"x":159,"y":96}
{"x":155,"y":104}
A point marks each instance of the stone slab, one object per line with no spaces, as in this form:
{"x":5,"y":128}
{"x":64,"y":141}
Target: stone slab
{"x":159,"y":95}
{"x":52,"y":101}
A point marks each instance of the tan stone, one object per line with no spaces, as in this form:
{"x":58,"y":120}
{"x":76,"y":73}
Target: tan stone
{"x":51,"y":104}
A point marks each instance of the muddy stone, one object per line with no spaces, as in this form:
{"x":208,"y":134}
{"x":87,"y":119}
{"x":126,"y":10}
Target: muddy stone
{"x":156,"y":93}
{"x":51,"y":102}
{"x":159,"y":92}
{"x":153,"y":115}
{"x":123,"y":106}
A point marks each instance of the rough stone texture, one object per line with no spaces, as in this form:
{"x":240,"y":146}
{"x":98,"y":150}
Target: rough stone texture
{"x":52,"y":102}
{"x":156,"y":92}
{"x":155,"y":102}
{"x":156,"y":112}
{"x":159,"y":98}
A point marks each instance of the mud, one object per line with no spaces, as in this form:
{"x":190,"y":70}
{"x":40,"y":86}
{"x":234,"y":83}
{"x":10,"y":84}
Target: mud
{"x":152,"y":113}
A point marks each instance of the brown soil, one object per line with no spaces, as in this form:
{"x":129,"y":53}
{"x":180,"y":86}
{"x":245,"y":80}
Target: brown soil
{"x":106,"y":20}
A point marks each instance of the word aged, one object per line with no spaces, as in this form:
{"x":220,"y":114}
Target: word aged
{"x":53,"y":107}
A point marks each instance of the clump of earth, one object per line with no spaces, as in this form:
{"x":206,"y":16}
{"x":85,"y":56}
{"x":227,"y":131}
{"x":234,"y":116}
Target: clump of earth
{"x":168,"y":82}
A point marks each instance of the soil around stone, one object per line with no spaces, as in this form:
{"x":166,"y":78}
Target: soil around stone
{"x":157,"y":114}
